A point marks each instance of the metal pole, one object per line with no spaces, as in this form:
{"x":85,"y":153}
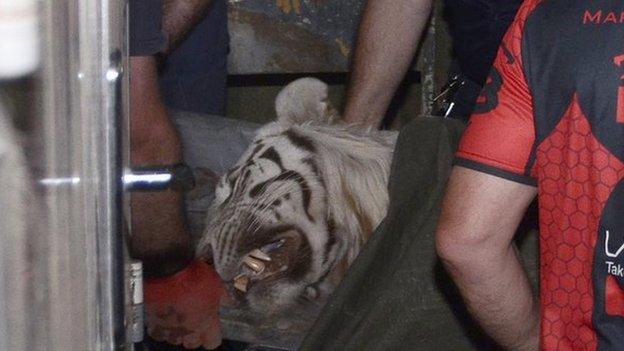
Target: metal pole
{"x":84,"y":51}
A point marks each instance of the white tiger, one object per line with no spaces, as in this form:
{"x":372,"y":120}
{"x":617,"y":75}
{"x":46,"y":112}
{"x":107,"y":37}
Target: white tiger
{"x":293,"y":213}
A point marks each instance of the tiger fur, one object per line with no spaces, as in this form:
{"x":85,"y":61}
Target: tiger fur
{"x":308,"y":192}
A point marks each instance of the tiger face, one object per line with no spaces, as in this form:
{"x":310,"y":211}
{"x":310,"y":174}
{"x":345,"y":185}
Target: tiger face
{"x":289,"y":217}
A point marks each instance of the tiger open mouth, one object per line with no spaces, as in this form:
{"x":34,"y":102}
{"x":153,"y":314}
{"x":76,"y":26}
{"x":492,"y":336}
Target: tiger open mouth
{"x":258,"y":264}
{"x":286,"y":255}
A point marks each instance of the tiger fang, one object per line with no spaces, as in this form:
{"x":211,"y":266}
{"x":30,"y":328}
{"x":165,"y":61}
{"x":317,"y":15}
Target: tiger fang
{"x":259,"y":254}
{"x":255,"y":265}
{"x":241,"y":282}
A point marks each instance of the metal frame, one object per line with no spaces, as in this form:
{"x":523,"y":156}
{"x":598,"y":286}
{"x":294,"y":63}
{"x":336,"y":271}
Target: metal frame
{"x":82,"y":133}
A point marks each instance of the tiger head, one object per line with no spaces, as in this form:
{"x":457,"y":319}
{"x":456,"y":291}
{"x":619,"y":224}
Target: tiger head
{"x":293,"y":212}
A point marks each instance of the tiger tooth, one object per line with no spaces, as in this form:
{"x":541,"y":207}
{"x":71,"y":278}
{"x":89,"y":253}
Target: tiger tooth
{"x":256,"y":265}
{"x":259,"y":254}
{"x":241,"y":282}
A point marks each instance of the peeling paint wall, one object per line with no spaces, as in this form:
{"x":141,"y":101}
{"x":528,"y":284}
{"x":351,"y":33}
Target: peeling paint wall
{"x":312,"y":36}
{"x":292,"y":36}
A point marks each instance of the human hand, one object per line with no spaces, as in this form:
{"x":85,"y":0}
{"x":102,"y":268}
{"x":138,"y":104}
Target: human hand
{"x":183,"y":309}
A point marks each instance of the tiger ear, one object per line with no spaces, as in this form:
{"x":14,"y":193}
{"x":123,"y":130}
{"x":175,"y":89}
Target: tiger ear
{"x":304,"y":100}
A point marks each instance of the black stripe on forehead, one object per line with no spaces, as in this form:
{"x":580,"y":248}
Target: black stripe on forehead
{"x":249,"y":161}
{"x":310,"y":162}
{"x":331,"y":240}
{"x":300,"y":141}
{"x":241,"y":184}
{"x":287,"y":175}
{"x":272,"y":155}
{"x":306,"y":194}
{"x":238,"y":182}
{"x":255,"y":150}
{"x":229,"y":178}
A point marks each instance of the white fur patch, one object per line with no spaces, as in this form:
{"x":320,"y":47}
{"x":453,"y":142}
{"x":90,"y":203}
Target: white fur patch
{"x":326,"y":177}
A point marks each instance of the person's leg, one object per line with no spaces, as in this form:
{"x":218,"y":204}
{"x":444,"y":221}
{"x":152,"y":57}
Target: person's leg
{"x":159,"y":236}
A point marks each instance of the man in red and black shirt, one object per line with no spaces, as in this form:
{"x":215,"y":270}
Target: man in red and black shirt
{"x":550,"y":121}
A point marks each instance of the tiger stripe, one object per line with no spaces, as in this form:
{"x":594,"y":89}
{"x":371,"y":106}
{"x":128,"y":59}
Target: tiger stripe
{"x":286,"y":190}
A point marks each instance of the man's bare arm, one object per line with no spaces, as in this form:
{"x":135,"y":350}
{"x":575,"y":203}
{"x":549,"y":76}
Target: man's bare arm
{"x":387,"y":40}
{"x":179,"y":17}
{"x":480,"y":214}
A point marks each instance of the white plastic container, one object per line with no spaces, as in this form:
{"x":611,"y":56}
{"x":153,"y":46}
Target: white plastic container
{"x":19,"y":38}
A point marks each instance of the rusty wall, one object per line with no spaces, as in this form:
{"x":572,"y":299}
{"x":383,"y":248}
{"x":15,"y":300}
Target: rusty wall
{"x":292,"y":36}
{"x":312,"y":36}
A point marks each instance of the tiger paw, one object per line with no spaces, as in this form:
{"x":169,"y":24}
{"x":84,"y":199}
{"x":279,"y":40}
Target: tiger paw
{"x":183,"y":309}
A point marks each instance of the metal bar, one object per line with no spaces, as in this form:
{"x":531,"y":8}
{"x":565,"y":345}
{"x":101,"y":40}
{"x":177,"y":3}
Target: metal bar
{"x":81,"y":133}
{"x":107,"y":162}
{"x":21,"y":309}
{"x":156,"y":178}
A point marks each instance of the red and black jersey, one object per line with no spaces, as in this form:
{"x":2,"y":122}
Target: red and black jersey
{"x":552,"y":115}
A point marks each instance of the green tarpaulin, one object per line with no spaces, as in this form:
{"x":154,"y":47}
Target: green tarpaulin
{"x":396,"y":295}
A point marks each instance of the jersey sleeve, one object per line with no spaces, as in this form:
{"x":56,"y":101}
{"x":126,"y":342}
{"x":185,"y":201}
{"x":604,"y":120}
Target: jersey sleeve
{"x":500,"y":135}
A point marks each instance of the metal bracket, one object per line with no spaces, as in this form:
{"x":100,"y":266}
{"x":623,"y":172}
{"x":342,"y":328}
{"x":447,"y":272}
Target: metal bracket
{"x":157,"y":178}
{"x":444,"y":100}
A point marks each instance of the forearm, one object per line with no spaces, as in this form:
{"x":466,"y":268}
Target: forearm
{"x":474,"y":239}
{"x":159,"y":237}
{"x":499,"y":296}
{"x":387,"y":41}
{"x":154,"y":139}
{"x":179,"y":17}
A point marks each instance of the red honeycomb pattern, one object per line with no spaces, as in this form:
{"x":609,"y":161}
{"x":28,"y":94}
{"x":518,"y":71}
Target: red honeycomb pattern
{"x":615,"y":297}
{"x":576,"y":175}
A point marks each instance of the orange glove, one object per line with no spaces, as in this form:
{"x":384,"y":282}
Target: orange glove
{"x":184,"y":308}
